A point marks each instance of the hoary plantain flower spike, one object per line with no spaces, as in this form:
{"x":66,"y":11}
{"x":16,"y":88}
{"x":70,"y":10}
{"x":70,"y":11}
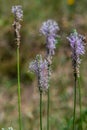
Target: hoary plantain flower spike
{"x":49,"y":29}
{"x":18,"y":16}
{"x":40,"y":67}
{"x":18,"y":12}
{"x":78,"y":48}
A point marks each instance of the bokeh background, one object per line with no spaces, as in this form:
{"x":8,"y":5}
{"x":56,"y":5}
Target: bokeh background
{"x":69,"y":14}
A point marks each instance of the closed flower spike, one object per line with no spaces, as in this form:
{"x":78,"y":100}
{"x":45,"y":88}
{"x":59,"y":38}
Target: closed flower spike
{"x":49,"y":29}
{"x":77,"y":46}
{"x":40,"y":67}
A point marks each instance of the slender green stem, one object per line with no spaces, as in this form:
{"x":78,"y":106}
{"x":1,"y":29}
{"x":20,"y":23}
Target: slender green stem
{"x":48,"y":97}
{"x":48,"y":94}
{"x":80,"y":102}
{"x":74,"y":113}
{"x":19,"y":95}
{"x":40,"y":110}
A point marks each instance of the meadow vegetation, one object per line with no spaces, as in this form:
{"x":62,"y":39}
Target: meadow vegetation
{"x":68,"y":16}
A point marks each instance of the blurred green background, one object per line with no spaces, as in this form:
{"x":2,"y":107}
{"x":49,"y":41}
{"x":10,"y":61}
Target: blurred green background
{"x":69,"y":14}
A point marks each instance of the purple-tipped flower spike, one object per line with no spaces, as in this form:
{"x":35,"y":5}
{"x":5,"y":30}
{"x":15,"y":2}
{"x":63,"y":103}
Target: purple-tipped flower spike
{"x":49,"y":30}
{"x":40,"y":67}
{"x":18,"y":16}
{"x":77,"y":45}
{"x":18,"y":12}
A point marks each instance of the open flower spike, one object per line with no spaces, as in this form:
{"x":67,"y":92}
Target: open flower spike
{"x":78,"y":49}
{"x":40,"y":68}
{"x":18,"y":17}
{"x":49,"y":29}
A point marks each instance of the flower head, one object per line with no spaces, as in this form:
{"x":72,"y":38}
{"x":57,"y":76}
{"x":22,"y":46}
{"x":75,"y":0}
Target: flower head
{"x":77,"y":45}
{"x":40,"y":67}
{"x":49,"y":30}
{"x":18,"y":12}
{"x":50,"y":27}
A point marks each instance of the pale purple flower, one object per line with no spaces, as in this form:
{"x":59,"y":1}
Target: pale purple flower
{"x":49,"y":27}
{"x":40,"y":67}
{"x":49,"y":30}
{"x":77,"y":46}
{"x":18,"y":12}
{"x":51,"y":45}
{"x":33,"y":66}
